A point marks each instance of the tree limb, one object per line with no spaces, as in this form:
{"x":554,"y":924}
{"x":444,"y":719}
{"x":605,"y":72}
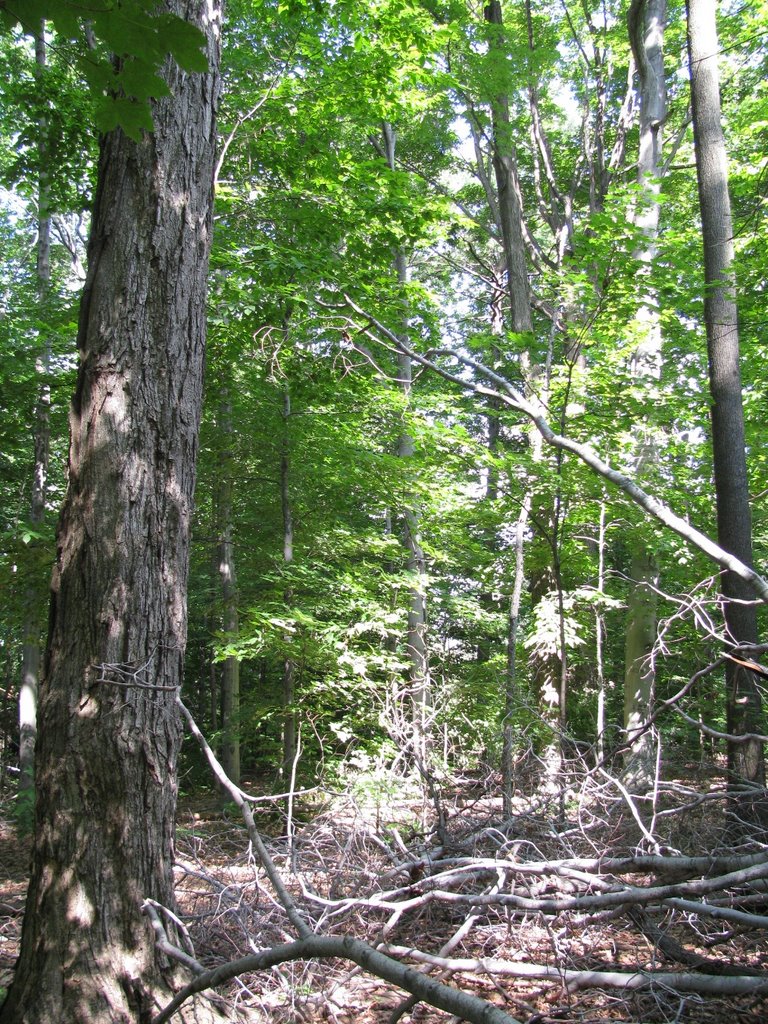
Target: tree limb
{"x":505,"y":392}
{"x":574,"y":980}
{"x":460,"y":1004}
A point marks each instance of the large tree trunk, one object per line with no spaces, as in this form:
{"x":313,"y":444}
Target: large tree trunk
{"x":734,"y":524}
{"x":110,"y":727}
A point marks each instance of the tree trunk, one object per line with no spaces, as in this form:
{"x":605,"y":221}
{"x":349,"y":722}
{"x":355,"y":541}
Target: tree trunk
{"x":290,"y":722}
{"x":646,"y":34}
{"x":230,"y":674}
{"x":34,"y":597}
{"x":511,"y":698}
{"x":734,"y":524}
{"x":599,"y":638}
{"x":417,"y":652}
{"x":509,"y":203}
{"x":110,"y":726}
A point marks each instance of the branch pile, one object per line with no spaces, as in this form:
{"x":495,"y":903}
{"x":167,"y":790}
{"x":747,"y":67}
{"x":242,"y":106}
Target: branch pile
{"x":449,"y":925}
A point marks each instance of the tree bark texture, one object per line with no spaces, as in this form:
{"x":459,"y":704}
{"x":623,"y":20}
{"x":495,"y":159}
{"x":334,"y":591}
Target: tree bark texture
{"x":110,"y":727}
{"x":734,"y":525}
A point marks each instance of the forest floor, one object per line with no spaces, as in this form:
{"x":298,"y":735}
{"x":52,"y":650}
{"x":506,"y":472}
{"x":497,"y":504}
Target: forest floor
{"x":374,"y":863}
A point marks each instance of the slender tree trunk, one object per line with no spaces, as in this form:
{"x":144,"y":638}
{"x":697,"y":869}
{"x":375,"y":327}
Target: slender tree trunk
{"x":599,"y":637}
{"x":290,"y":723}
{"x":486,"y":599}
{"x":508,"y":188}
{"x":230,"y":671}
{"x":646,"y":34}
{"x":510,"y":222}
{"x":110,"y":726}
{"x":34,"y":598}
{"x":416,"y":637}
{"x":511,"y":698}
{"x":734,"y":523}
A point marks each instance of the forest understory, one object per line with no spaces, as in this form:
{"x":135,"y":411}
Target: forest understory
{"x":586,"y":905}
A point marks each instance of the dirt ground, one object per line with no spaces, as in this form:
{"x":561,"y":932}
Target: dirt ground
{"x":338,"y":862}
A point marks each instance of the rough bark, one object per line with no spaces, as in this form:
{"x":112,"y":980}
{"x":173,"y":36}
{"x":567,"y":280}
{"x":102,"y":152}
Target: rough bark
{"x":109,"y":722}
{"x":734,"y":524}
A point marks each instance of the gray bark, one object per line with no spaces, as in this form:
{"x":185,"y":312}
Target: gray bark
{"x":110,"y":727}
{"x":230,"y":674}
{"x":511,"y":699}
{"x":599,"y":639}
{"x":508,"y":189}
{"x":734,"y":523}
{"x":290,"y":723}
{"x":646,"y":33}
{"x":416,"y":637}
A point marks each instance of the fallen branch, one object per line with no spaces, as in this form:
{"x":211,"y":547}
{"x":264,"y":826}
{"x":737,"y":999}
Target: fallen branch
{"x":720,"y":913}
{"x":574,"y":980}
{"x":308,"y":946}
{"x":428,"y":990}
{"x":673,"y":950}
{"x":163,"y":943}
{"x":618,"y":896}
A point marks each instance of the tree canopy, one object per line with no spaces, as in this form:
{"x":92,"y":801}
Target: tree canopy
{"x":465,"y":503}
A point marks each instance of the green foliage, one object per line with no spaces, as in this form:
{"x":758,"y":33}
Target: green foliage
{"x":132,"y":31}
{"x":24,"y":812}
{"x":308,"y":211}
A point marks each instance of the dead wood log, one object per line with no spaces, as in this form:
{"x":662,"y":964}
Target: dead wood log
{"x":574,"y":979}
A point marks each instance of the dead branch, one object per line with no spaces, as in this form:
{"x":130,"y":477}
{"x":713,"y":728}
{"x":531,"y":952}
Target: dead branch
{"x":163,"y":943}
{"x":674,"y":951}
{"x":309,"y":946}
{"x":503,"y":391}
{"x":461,"y":1004}
{"x":720,"y":913}
{"x":575,"y":980}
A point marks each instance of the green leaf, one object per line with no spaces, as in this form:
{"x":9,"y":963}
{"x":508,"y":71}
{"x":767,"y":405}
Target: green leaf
{"x":121,"y":112}
{"x":138,"y":80}
{"x":185,"y":42}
